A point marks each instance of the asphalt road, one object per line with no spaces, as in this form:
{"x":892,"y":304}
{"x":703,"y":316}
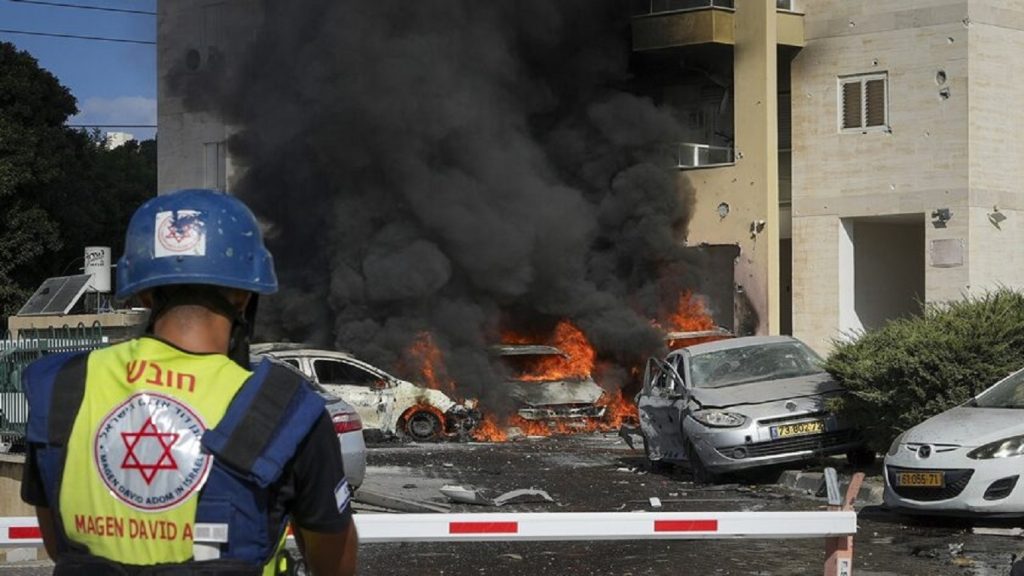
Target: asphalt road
{"x":601,"y":473}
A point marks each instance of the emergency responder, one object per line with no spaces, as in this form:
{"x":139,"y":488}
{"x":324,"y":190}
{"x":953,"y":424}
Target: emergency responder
{"x":165,"y":454}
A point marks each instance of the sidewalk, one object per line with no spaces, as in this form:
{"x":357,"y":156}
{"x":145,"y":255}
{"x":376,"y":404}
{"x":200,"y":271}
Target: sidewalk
{"x":812,"y":482}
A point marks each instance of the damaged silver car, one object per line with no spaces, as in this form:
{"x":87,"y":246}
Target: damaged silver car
{"x":537,"y":380}
{"x":740,"y":403}
{"x":385,"y":403}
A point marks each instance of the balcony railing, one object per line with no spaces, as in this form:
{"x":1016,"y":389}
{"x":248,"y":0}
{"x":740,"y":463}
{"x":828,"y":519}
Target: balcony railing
{"x":704,"y":155}
{"x":648,"y":7}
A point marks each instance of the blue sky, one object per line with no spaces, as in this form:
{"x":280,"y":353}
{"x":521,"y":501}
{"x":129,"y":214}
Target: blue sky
{"x":114,"y":83}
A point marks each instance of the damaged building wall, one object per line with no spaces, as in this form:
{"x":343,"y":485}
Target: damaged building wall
{"x":749,"y":189}
{"x":915,"y":164}
{"x":196,"y":37}
{"x":995,"y":84}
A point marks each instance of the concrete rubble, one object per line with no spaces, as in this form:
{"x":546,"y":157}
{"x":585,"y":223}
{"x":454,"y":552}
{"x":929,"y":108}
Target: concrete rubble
{"x":477,"y":496}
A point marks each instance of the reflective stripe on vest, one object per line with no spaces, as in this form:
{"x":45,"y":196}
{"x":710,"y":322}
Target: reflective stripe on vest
{"x":134,"y":466}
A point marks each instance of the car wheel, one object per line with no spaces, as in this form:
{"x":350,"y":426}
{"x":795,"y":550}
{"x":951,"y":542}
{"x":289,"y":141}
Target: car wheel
{"x":861,"y":457}
{"x":423,"y":425}
{"x":700,"y":473}
{"x":656,"y":465}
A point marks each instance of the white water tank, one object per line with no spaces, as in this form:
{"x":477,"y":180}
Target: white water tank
{"x":97,"y":265}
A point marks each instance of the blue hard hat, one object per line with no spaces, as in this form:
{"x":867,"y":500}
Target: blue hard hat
{"x":194,"y":237}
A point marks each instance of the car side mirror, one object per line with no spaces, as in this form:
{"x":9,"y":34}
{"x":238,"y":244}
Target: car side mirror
{"x":379,"y":385}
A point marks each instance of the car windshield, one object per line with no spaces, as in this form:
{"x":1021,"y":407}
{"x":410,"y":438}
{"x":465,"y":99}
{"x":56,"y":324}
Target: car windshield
{"x":757,"y":363}
{"x":1008,"y":393}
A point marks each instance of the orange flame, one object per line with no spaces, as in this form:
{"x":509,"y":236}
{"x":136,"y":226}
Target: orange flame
{"x":429,"y":363}
{"x":488,"y":430}
{"x":689,"y":315}
{"x":619,"y":410}
{"x":578,"y":362}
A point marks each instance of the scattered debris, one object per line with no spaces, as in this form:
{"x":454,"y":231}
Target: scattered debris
{"x":632,"y":470}
{"x":476,"y":496}
{"x":391,"y":502}
{"x":627,"y":433}
{"x":655,"y":502}
{"x":510,"y":556}
{"x":982,"y":531}
{"x":962,"y":561}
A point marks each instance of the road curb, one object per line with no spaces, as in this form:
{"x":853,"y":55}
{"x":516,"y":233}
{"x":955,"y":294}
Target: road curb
{"x":813,"y":484}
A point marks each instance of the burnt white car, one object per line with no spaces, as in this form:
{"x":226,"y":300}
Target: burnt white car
{"x":965,"y":461}
{"x":385,"y":403}
{"x":740,"y":403}
{"x":548,"y":399}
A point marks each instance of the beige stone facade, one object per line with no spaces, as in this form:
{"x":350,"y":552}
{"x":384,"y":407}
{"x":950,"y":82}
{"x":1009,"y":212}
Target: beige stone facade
{"x":950,"y":144}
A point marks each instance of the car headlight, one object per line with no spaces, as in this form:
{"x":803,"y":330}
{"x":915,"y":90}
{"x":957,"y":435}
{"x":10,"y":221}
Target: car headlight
{"x":999,"y":449}
{"x":719,"y":418}
{"x":895,"y":446}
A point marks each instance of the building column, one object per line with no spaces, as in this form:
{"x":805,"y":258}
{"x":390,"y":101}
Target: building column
{"x":756,"y":110}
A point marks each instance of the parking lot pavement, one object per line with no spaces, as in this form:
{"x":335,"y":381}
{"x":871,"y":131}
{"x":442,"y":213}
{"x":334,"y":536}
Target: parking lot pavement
{"x":600,"y":473}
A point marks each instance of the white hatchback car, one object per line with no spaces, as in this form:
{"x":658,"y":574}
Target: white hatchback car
{"x":964,"y":461}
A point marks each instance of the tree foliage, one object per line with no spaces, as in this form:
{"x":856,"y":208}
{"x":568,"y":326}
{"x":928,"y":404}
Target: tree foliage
{"x":914,"y":368}
{"x":60,"y":189}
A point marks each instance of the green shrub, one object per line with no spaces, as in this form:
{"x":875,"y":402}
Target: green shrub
{"x":914,"y":368}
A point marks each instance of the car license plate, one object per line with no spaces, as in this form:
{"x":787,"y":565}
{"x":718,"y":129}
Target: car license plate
{"x":799,"y":429}
{"x":921,"y":479}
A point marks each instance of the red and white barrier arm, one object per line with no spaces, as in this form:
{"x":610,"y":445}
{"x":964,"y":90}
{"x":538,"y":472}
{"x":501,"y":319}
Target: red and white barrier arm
{"x":566,"y":526}
{"x":557,"y":526}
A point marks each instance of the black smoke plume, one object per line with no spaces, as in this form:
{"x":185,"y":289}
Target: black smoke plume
{"x":457,"y":167}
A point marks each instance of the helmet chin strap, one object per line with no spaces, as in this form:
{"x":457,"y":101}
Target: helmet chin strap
{"x":242,"y":322}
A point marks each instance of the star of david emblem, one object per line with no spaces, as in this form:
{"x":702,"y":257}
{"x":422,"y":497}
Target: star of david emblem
{"x":154,"y":440}
{"x":178,"y":233}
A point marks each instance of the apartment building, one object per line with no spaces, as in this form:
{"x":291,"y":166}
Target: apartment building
{"x":860,"y":155}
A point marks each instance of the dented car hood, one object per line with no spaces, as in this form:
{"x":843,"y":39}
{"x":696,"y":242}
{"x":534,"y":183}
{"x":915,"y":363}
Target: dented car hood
{"x":556,"y":392}
{"x":765,"y":391}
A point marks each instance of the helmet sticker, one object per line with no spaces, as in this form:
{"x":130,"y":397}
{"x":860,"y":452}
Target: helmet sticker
{"x":148,"y":454}
{"x":179,"y":233}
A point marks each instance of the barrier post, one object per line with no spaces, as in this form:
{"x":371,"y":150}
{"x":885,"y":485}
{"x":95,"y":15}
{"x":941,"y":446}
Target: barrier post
{"x":839,"y":549}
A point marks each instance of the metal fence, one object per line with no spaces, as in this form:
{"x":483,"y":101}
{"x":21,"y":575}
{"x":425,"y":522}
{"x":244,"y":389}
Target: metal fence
{"x":16,"y":354}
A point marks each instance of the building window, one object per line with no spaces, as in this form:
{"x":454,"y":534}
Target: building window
{"x":864,"y":103}
{"x":215,"y":166}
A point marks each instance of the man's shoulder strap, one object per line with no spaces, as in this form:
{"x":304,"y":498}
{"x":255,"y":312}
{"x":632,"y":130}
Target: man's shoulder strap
{"x":54,"y":386}
{"x":265,"y":422}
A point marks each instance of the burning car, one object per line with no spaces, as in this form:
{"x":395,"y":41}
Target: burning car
{"x":546,"y":385}
{"x":384,"y":402}
{"x":739,"y":403}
